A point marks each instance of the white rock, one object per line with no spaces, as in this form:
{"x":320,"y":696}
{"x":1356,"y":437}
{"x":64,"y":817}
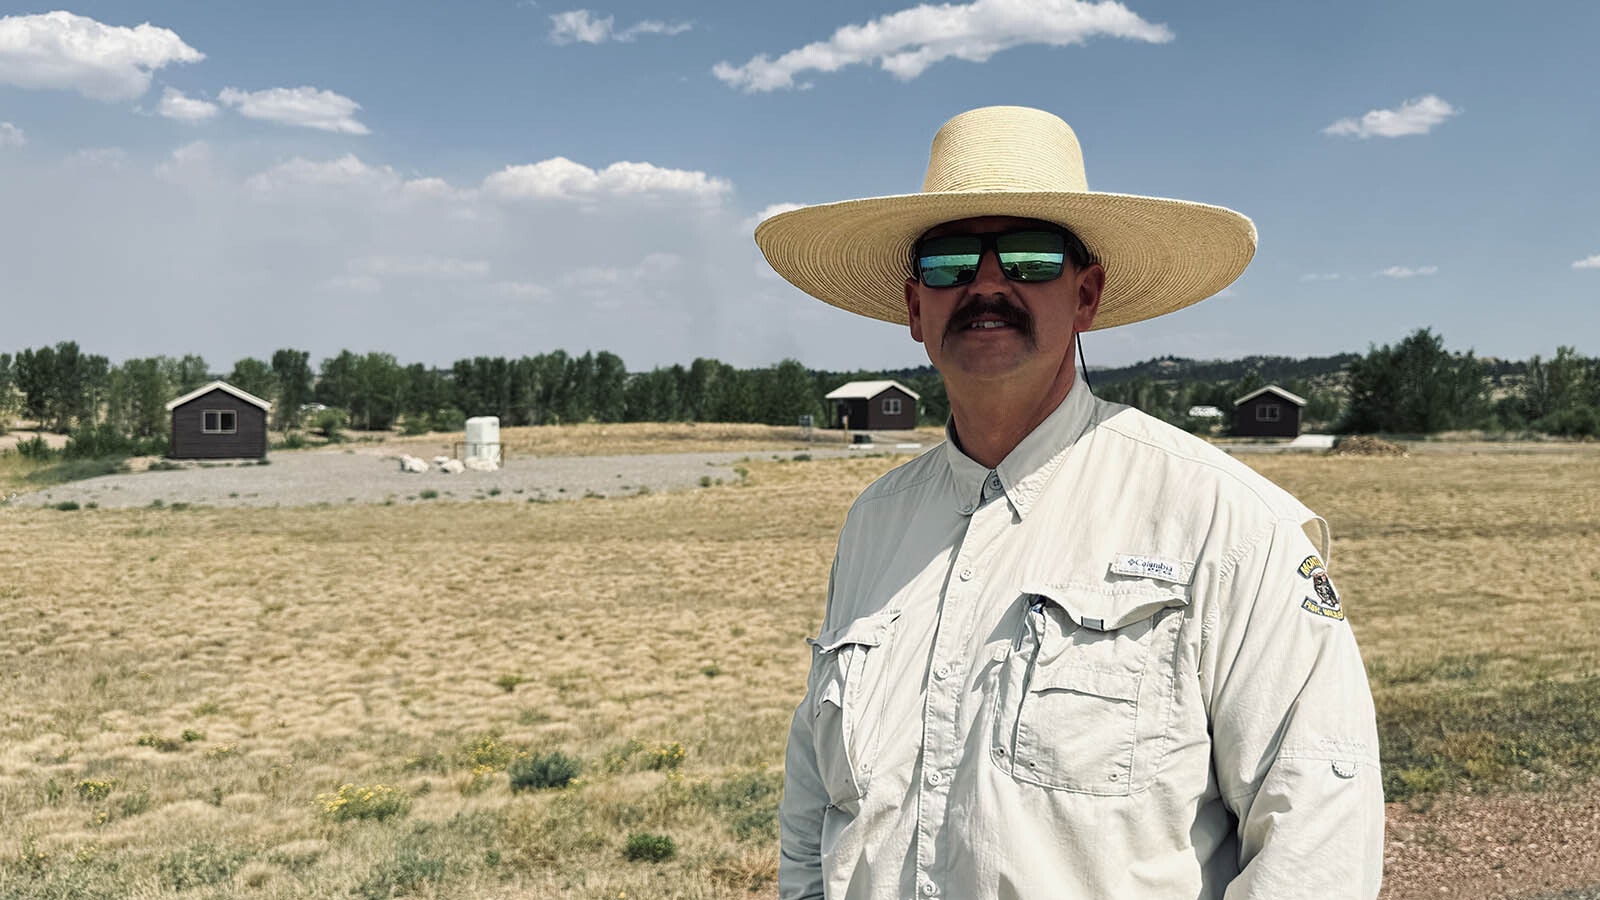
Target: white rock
{"x":451,"y":467}
{"x":413,"y":463}
{"x":478,"y":464}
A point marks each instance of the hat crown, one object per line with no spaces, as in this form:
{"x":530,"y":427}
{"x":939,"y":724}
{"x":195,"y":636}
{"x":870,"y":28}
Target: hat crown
{"x":1005,"y":148}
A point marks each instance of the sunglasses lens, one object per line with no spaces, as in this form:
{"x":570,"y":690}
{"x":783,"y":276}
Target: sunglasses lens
{"x":949,"y":261}
{"x":1031,"y":255}
{"x":1027,"y":256}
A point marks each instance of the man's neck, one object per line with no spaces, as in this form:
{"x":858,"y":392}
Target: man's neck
{"x":989,"y":424}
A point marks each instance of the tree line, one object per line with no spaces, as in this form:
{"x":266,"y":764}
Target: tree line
{"x":1415,"y":386}
{"x":64,"y":389}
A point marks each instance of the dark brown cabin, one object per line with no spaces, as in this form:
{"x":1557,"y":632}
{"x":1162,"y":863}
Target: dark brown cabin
{"x":218,"y":421}
{"x":1268,"y":412}
{"x":874,"y":406}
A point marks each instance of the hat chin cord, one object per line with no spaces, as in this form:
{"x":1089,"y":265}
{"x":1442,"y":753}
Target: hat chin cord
{"x":1083,"y":364}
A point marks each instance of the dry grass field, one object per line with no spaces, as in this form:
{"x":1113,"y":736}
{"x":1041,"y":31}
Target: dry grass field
{"x":359,"y":701}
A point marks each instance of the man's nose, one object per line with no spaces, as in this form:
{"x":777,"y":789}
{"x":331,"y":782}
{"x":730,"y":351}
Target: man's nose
{"x":989,"y":279}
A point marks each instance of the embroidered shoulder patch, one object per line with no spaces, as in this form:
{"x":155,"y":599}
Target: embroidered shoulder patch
{"x":1326,"y":603}
{"x":1157,"y":567}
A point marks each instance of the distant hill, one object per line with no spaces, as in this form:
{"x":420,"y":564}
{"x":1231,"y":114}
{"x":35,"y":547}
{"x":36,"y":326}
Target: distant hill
{"x":1271,"y":369}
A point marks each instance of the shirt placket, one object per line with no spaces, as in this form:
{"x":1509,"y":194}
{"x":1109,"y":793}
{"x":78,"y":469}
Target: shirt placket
{"x":949,"y":669}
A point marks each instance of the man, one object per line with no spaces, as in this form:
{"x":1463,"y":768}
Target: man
{"x":1072,"y":652}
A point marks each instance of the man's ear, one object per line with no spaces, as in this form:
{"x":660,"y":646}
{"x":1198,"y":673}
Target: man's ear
{"x":914,"y":309}
{"x":1090,"y":284}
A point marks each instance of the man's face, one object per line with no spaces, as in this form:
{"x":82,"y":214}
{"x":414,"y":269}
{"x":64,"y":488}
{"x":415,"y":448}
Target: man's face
{"x":993,"y":328}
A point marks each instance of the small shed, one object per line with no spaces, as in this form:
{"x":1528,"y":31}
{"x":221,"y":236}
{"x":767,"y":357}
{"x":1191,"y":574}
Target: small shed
{"x":218,"y":421}
{"x":1268,"y":412}
{"x":874,"y":405}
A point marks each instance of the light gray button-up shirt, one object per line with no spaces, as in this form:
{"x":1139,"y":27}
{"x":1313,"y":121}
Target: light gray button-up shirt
{"x":1112,"y":667}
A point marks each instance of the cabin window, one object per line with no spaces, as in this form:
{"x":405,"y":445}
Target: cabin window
{"x":1268,"y":412}
{"x":891,"y":406}
{"x":219,"y":421}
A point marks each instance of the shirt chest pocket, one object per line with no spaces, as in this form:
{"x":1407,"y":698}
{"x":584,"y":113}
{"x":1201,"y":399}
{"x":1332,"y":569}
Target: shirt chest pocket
{"x":847,"y":703}
{"x":1086,"y":689}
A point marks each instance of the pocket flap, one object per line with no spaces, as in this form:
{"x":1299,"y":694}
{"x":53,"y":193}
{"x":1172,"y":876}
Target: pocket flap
{"x":868,"y":631}
{"x":1098,"y":608}
{"x":1116,"y":685}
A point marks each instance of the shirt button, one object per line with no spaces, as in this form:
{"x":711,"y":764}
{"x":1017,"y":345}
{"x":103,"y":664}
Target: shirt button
{"x":966,"y":509}
{"x":966,"y":574}
{"x":929,"y":888}
{"x":994,"y":483}
{"x":934,"y":778}
{"x":943,"y":671}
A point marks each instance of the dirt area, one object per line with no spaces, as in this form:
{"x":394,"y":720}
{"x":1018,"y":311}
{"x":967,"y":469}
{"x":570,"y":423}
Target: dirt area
{"x":371,"y":474}
{"x":1497,"y":847}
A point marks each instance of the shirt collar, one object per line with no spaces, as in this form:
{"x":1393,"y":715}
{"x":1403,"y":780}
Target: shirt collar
{"x":1028,"y":467}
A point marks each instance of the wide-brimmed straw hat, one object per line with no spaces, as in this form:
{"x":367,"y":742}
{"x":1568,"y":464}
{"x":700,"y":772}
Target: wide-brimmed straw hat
{"x":1159,"y":255}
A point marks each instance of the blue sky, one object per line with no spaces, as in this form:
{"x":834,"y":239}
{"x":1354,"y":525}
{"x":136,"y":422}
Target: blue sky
{"x":498,"y":178}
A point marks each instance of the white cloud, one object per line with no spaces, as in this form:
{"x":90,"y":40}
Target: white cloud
{"x":1320,"y":276}
{"x":442,"y":267}
{"x":11,"y":135}
{"x":1417,"y":116}
{"x":175,"y":105}
{"x":192,"y":158}
{"x":580,"y":26}
{"x":1405,"y":272}
{"x":654,"y":267}
{"x":63,"y":51}
{"x":110,"y":157}
{"x":561,"y":178}
{"x":1592,"y":262}
{"x":522,"y":290}
{"x":906,"y":43}
{"x":749,"y":225}
{"x":353,"y":284}
{"x":306,"y":107}
{"x":347,"y":170}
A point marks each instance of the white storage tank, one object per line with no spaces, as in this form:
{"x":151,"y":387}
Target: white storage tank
{"x":483,"y":438}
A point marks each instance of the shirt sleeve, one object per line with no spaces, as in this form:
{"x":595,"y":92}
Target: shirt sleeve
{"x":1295,"y":741}
{"x":805,"y":799}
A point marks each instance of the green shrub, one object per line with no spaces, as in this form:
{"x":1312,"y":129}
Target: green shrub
{"x":543,"y":771}
{"x":76,"y":470}
{"x":646,"y":847}
{"x":91,"y":790}
{"x":486,"y":750}
{"x":199,"y":865}
{"x":368,"y":801}
{"x":165,"y":745}
{"x":330,"y":423}
{"x":106,"y":440}
{"x":666,"y":756}
{"x":747,"y":803}
{"x":448,"y":419}
{"x":293,"y":440}
{"x":400,"y":876}
{"x":66,"y":505}
{"x":36,"y":448}
{"x":508,"y":681}
{"x":429,"y":494}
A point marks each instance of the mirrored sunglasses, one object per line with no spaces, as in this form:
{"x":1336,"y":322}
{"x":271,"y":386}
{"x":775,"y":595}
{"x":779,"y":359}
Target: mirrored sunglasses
{"x":1027,"y":256}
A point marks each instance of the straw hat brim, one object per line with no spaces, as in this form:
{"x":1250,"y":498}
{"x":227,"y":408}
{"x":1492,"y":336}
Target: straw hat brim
{"x":1159,"y":255}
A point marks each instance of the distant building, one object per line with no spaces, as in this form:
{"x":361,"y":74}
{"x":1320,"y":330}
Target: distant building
{"x":218,"y":421}
{"x":874,"y":406}
{"x":1268,"y":412}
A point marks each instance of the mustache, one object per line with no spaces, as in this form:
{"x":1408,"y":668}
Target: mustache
{"x":998,"y":308}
